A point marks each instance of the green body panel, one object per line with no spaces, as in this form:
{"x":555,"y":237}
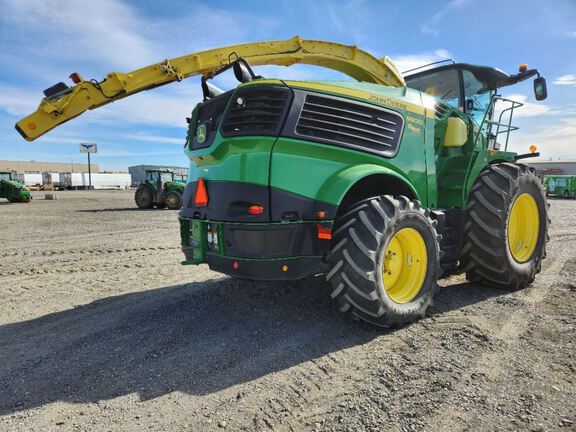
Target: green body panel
{"x":296,"y":168}
{"x":12,"y":190}
{"x":560,"y":185}
{"x":243,"y":159}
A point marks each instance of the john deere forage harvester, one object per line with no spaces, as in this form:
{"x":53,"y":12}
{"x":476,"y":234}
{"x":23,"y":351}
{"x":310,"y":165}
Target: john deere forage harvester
{"x":383,"y":185}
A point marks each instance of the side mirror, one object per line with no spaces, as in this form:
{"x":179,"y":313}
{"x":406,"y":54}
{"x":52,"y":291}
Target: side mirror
{"x":242,"y":72}
{"x":469,"y":105}
{"x":540,"y":90}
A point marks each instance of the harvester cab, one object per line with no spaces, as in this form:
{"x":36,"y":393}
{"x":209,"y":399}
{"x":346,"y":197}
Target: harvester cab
{"x":473,"y":90}
{"x":383,"y":184}
{"x":12,"y":190}
{"x":161,"y":188}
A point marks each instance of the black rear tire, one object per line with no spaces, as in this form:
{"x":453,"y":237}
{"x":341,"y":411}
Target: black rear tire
{"x":360,"y":246}
{"x":144,"y":197}
{"x":486,"y":256}
{"x":174,"y":200}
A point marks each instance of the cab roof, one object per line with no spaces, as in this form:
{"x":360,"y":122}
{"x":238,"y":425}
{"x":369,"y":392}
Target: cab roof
{"x":492,"y":78}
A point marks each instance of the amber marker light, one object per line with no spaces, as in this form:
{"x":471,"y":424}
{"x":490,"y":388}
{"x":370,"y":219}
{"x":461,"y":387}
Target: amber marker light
{"x":523,"y":67}
{"x":320,"y":214}
{"x":533,"y":148}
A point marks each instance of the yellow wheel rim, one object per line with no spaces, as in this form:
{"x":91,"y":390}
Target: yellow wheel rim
{"x":404,"y":265}
{"x":523,"y":227}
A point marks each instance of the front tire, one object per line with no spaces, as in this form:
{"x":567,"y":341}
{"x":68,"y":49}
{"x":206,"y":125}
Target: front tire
{"x":174,"y":200}
{"x":385,"y":261}
{"x":506,"y":231}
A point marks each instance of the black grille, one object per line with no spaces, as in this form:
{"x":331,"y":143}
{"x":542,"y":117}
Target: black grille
{"x":350,"y":124}
{"x":209,"y":114}
{"x":256,"y":111}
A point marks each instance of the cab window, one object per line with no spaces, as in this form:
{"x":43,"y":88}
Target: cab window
{"x":477,"y":97}
{"x":152,"y":176}
{"x":444,"y":84}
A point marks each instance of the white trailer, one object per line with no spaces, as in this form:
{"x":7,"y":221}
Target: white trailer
{"x":32,"y":179}
{"x":110,"y":180}
{"x":99,"y":180}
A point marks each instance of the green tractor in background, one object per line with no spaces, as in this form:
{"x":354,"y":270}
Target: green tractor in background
{"x":162,"y":188}
{"x":12,"y":190}
{"x":560,"y":185}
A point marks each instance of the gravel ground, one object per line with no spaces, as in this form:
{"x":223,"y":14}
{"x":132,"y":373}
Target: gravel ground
{"x":101,"y":328}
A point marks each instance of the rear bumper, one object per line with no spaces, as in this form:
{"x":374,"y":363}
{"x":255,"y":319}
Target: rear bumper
{"x":262,"y":251}
{"x":266,"y":270}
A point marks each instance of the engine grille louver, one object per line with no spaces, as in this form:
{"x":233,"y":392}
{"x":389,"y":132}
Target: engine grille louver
{"x":256,"y":112}
{"x":350,"y":124}
{"x":441,"y":110}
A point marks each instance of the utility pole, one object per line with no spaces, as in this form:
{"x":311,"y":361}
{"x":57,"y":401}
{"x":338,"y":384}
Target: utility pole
{"x":89,"y":173}
{"x":88,"y":148}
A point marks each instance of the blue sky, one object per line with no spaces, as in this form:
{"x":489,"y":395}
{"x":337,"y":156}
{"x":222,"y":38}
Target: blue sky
{"x":43,"y":41}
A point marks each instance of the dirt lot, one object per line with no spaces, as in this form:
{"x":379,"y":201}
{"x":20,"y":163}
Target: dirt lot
{"x":102,"y":329}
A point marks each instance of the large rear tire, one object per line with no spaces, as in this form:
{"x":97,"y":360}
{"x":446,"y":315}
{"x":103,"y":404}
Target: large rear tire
{"x":506,"y":231}
{"x":385,"y":261}
{"x":144,"y":198}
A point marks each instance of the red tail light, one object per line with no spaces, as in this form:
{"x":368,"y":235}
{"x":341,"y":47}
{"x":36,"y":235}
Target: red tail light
{"x":324,"y":233}
{"x":201,"y":196}
{"x":255,"y":209}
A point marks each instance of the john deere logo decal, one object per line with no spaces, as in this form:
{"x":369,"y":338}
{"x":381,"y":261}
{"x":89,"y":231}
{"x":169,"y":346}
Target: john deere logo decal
{"x":201,"y":134}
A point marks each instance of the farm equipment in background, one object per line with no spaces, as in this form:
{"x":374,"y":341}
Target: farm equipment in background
{"x":560,"y":185}
{"x":12,"y":190}
{"x":162,"y":188}
{"x":383,"y":185}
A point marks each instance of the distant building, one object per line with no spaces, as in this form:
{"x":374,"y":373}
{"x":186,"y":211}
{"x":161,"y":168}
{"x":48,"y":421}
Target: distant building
{"x":138,"y":172}
{"x":567,"y":167}
{"x":33,"y":167}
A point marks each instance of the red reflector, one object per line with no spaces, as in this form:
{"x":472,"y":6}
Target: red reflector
{"x":324,"y":233}
{"x":201,"y":196}
{"x":235,"y":265}
{"x":255,"y":209}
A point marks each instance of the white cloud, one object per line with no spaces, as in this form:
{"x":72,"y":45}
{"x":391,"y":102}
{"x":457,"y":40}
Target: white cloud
{"x":17,"y":100}
{"x":431,"y":26}
{"x":141,"y":136}
{"x":106,"y":29}
{"x":571,"y":34}
{"x":553,"y":141}
{"x":411,"y":61}
{"x":565,"y":80}
{"x":529,"y":109}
